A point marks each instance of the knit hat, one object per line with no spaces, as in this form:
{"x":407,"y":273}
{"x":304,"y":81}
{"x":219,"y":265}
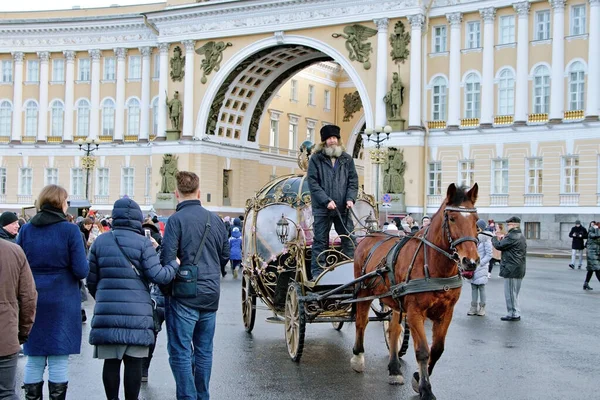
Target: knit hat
{"x":578,"y":222}
{"x":481,"y":225}
{"x":7,"y":218}
{"x":328,"y":131}
{"x":513,"y":220}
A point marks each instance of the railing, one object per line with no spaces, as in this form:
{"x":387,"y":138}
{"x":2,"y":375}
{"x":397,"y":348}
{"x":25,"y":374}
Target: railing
{"x":537,"y":118}
{"x":54,"y":139}
{"x":280,"y":151}
{"x":2,"y":198}
{"x":533,"y":199}
{"x":598,"y":199}
{"x":24,"y":198}
{"x":76,"y":197}
{"x":504,"y":119}
{"x":148,"y":200}
{"x":105,"y":138}
{"x":469,"y":122}
{"x":498,"y":200}
{"x":28,"y":139}
{"x":152,"y":137}
{"x":131,"y":138}
{"x":101,"y":199}
{"x":574,"y":115}
{"x":570,"y":199}
{"x":434,"y":200}
{"x":76,"y":138}
{"x":436,"y":124}
{"x":4,"y":139}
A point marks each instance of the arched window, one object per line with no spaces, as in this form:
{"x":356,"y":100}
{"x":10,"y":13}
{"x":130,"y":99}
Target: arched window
{"x":57,"y":111}
{"x":541,"y":90}
{"x":576,"y":86}
{"x":83,"y":118}
{"x":155,"y":116}
{"x":108,"y":117}
{"x":506,"y":92}
{"x":133,"y":117}
{"x":438,"y":100}
{"x":472,"y":96}
{"x":5,"y":118}
{"x":31,"y":118}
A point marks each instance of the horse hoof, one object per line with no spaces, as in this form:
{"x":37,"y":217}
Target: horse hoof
{"x":396,"y":380}
{"x":358,"y":362}
{"x":415,"y":382}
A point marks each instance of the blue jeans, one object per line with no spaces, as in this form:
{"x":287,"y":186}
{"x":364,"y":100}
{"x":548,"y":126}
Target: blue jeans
{"x":58,"y":369}
{"x":186,"y":327}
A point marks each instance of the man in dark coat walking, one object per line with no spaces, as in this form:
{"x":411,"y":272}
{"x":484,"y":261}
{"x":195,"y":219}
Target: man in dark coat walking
{"x":333,"y":184}
{"x":579,"y":234}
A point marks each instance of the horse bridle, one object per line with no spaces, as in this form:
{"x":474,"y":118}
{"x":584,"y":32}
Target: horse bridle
{"x":455,"y":242}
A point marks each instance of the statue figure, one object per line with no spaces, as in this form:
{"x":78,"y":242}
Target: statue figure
{"x":168,"y":172}
{"x":352,"y":104}
{"x":355,"y":36}
{"x":394,"y":167}
{"x":213,"y":52}
{"x":394,"y":98}
{"x":174,"y":108}
{"x":225,"y":184}
{"x":177,"y":65}
{"x":399,"y":40}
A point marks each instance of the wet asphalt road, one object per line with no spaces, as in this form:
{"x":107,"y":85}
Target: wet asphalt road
{"x":552,"y":353}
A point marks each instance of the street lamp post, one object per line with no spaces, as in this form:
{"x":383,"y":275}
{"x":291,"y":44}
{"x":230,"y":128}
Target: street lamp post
{"x":378,"y":154}
{"x":88,"y":146}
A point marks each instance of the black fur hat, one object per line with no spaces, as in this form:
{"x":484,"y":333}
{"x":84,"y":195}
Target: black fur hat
{"x":328,"y":131}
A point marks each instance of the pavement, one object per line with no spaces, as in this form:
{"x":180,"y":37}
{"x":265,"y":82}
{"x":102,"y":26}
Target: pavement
{"x":551,"y":354}
{"x":550,"y":252}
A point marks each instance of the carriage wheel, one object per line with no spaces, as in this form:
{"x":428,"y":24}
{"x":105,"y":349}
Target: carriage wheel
{"x":295,"y":322}
{"x":248,"y":304}
{"x":405,"y":338}
{"x":338,"y":325}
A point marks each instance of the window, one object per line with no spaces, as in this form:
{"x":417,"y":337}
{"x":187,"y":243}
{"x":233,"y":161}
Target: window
{"x":327,"y":100}
{"x":148,"y":190}
{"x":541,"y":90}
{"x":466,"y":172}
{"x":83,"y":118}
{"x":532,"y":230}
{"x":507,"y":29}
{"x":2,"y":181}
{"x":84,"y":69}
{"x":33,"y":71}
{"x":5,"y":118}
{"x":156,"y":70}
{"x":25,"y":181}
{"x":108,"y":117}
{"x":58,"y":70}
{"x":578,"y":19}
{"x":293,"y":139}
{"x":7,"y":71}
{"x":570,"y":174}
{"x":472,"y":96}
{"x":310,"y":133}
{"x":473,"y":35}
{"x":500,"y":176}
{"x":534,"y":175}
{"x":435,"y":178}
{"x":294,"y":90}
{"x":57,"y":118}
{"x":102,"y":182}
{"x":438,"y":102}
{"x":133,"y":117}
{"x":127,"y":182}
{"x":109,"y":68}
{"x":135,"y":67}
{"x":439,"y":39}
{"x":51,"y":176}
{"x":542,"y":25}
{"x":576,"y":86}
{"x":77,"y":187}
{"x":274,"y":133}
{"x":155,"y":116}
{"x":311,"y":95}
{"x":506,"y":92}
{"x":31,"y":118}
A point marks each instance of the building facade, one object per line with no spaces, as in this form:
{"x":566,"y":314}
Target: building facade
{"x":496,"y":92}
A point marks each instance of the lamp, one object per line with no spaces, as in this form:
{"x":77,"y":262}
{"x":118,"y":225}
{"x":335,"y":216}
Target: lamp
{"x":371,"y":223}
{"x":282,"y":229}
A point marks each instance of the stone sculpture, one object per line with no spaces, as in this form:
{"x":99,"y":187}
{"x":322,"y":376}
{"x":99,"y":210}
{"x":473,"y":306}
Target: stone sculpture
{"x":394,"y":167}
{"x":394,"y":98}
{"x":352,"y":104}
{"x":168,"y":172}
{"x":174,"y":108}
{"x":177,"y":65}
{"x":399,"y":41}
{"x":358,"y":49}
{"x":213,"y":55}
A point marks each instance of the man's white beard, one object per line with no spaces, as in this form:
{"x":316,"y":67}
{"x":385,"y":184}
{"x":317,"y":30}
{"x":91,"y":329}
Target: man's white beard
{"x":334,"y":151}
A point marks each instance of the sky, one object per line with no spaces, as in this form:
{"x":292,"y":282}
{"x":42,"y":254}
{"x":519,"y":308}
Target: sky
{"x":34,"y":5}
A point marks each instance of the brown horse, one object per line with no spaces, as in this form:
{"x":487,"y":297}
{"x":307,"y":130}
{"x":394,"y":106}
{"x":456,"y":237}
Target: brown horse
{"x":446,"y":248}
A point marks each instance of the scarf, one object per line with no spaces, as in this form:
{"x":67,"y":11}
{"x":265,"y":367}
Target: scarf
{"x":48,"y":215}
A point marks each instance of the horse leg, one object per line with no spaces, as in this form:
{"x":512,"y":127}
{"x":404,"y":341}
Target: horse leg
{"x":394,"y":332}
{"x":420,"y":382}
{"x":440,"y":328}
{"x":362,"y":319}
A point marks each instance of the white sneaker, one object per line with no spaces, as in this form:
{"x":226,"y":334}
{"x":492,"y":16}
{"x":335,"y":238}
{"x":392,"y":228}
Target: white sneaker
{"x":489,"y":275}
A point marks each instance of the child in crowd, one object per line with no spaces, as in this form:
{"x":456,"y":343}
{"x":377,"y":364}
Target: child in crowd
{"x":235,"y":246}
{"x":480,"y":276}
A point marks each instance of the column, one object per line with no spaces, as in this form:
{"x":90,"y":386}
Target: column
{"x":145,"y":112}
{"x":162,"y":89}
{"x":121,"y":53}
{"x":95,"y":94}
{"x":522,"y":81}
{"x":17,"y":117}
{"x":381,"y":87}
{"x":414,"y":108}
{"x":454,"y":98}
{"x":557,"y":86}
{"x":593,"y":76}
{"x":69,"y":95}
{"x":188,"y":91}
{"x":42,"y":132}
{"x":487,"y":99}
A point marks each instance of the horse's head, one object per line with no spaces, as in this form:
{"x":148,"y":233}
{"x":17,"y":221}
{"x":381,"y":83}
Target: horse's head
{"x":460,"y":225}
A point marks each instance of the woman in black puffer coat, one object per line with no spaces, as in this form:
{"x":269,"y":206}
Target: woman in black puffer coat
{"x":593,"y":255}
{"x":122,"y":265}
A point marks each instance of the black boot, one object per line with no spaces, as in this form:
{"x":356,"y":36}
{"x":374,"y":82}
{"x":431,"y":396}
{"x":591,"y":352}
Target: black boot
{"x":586,"y":286}
{"x":58,"y":391}
{"x":33,"y":391}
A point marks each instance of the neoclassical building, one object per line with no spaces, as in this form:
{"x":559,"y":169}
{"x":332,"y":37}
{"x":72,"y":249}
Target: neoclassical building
{"x":502,"y":93}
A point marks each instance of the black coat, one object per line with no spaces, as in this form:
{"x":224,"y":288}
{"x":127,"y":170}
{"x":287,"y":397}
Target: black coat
{"x":514,"y":250}
{"x":327,"y":183}
{"x":579,"y":234}
{"x":7,"y":236}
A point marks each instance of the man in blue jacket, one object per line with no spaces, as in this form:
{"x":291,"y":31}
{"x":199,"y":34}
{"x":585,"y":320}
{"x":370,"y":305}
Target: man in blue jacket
{"x":191,"y":321}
